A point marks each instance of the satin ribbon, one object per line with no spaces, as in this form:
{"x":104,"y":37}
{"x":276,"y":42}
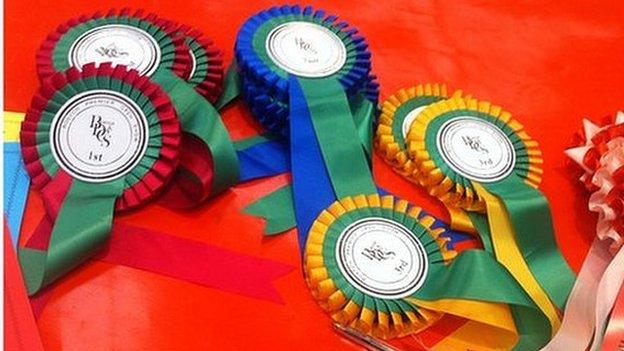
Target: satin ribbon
{"x":602,"y":273}
{"x":209,"y":164}
{"x":188,"y":260}
{"x":614,"y":335}
{"x":16,"y":180}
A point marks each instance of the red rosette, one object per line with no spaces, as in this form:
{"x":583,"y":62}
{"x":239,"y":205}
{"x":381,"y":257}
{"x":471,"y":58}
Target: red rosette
{"x":45,"y":57}
{"x":149,"y":176}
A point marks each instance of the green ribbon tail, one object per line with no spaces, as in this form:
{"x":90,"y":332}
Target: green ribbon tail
{"x":246,"y":143}
{"x":277,"y":209}
{"x":338,"y":138}
{"x":471,"y":276}
{"x":201,"y":119}
{"x":81,"y":228}
{"x":363,"y":111}
{"x":530,"y":216}
{"x":231,"y":86}
{"x":480,"y":222}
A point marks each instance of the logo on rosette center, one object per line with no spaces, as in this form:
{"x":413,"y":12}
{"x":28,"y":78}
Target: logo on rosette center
{"x":99,"y":135}
{"x":119,"y":44}
{"x":306,"y":49}
{"x":476,"y":149}
{"x":382,"y":258}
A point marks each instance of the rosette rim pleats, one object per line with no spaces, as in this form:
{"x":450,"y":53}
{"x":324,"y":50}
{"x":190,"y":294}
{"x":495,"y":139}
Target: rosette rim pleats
{"x":206,"y":74}
{"x":170,"y":51}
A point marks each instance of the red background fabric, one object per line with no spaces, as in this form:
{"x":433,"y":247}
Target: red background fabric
{"x":548,"y":62}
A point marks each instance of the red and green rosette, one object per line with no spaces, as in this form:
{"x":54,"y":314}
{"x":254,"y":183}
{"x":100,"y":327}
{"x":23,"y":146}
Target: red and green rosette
{"x":206,"y":74}
{"x":134,"y":39}
{"x":156,"y":48}
{"x":94,"y":141}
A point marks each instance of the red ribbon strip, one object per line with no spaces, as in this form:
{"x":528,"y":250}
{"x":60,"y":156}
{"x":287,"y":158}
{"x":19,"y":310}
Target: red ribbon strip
{"x":20,"y":328}
{"x":194,"y":261}
{"x":183,"y":259}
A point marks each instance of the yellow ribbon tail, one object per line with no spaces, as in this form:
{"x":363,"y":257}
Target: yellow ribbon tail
{"x":490,"y":325}
{"x":12,"y":126}
{"x":509,"y":255}
{"x":460,"y":220}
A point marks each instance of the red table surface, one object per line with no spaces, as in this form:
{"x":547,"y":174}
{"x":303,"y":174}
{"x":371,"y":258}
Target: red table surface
{"x":550,"y":63}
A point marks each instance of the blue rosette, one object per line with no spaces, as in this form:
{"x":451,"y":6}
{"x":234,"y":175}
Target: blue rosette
{"x":265,"y":82}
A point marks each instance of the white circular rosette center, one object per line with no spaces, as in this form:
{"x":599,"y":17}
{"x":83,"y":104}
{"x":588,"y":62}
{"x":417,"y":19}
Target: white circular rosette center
{"x":99,"y":135}
{"x":306,"y":49}
{"x":476,"y":149}
{"x":382,"y":258}
{"x":119,"y":44}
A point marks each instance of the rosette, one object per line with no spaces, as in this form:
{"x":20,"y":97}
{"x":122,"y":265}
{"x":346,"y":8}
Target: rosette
{"x":601,"y":278}
{"x":398,"y":113}
{"x":379,"y":246}
{"x":289,"y":41}
{"x":206,"y":73}
{"x":93,"y":141}
{"x":155,"y":47}
{"x":375,"y":263}
{"x":475,"y":156}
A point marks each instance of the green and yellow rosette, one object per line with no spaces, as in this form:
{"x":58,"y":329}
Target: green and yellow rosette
{"x":335,"y":280}
{"x":475,"y":156}
{"x":377,"y":264}
{"x":398,"y":113}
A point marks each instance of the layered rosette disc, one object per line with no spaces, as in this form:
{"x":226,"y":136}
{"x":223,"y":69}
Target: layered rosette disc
{"x":289,"y":40}
{"x":206,"y":74}
{"x":366,"y":256}
{"x":398,"y":113}
{"x":133,"y":39}
{"x":99,"y":125}
{"x":455,"y":143}
{"x":94,"y":141}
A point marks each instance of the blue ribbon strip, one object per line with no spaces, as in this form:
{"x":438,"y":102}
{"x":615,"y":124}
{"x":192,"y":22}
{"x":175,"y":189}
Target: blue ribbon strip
{"x":264,"y":159}
{"x":312,"y":188}
{"x":16,"y":183}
